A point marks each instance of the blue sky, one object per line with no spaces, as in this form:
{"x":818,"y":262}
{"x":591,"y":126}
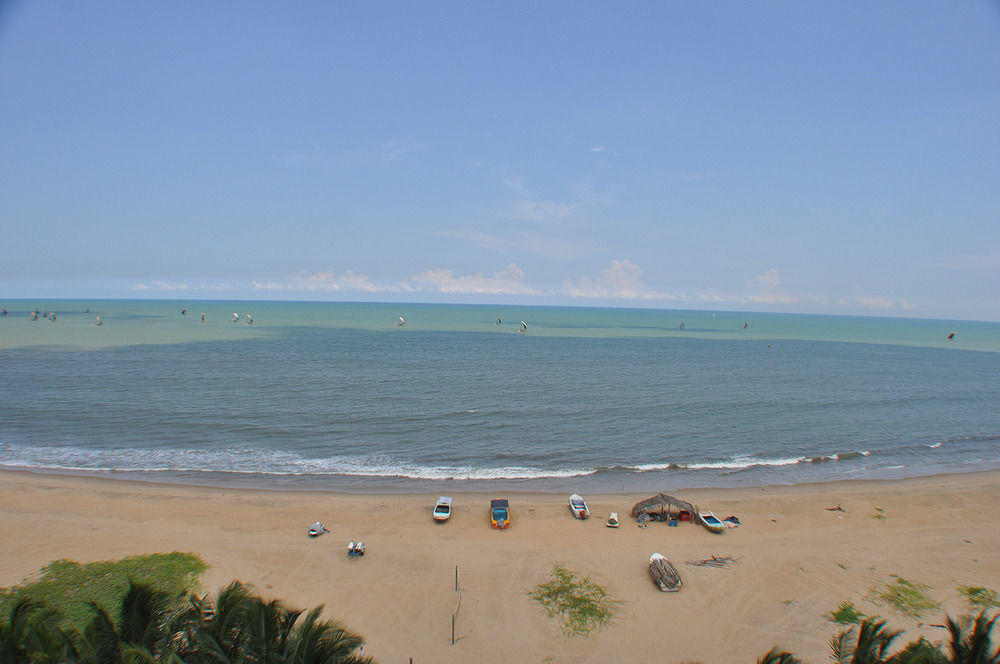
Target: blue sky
{"x":839,"y":157}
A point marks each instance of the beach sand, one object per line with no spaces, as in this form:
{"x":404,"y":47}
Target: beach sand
{"x":797,"y":560}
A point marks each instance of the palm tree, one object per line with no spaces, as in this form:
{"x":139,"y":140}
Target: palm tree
{"x":239,"y":627}
{"x":144,"y":614}
{"x":920,"y":651}
{"x":774,"y":656}
{"x":870,"y":646}
{"x":270,"y":628}
{"x":32,"y":634}
{"x":324,"y":642}
{"x":213,"y":630}
{"x":141,"y":636}
{"x":234,"y":627}
{"x":972,"y":646}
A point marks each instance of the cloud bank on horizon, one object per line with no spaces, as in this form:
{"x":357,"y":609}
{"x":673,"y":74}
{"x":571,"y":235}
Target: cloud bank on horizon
{"x":620,"y":282}
{"x":784,"y":157}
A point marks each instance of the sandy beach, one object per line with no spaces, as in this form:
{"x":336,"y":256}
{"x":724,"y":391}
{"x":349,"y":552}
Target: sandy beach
{"x":797,"y":560}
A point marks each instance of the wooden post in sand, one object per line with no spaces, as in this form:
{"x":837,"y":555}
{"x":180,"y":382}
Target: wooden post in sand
{"x":458,"y":603}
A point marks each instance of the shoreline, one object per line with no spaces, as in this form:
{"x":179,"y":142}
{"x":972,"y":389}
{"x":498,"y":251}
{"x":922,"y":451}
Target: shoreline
{"x":599,"y":483}
{"x":797,"y":559}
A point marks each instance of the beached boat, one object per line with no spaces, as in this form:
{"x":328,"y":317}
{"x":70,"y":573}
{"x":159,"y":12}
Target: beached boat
{"x":612,"y":521}
{"x":442,"y":509}
{"x":500,"y":513}
{"x":317,"y":529}
{"x":663,"y":574}
{"x":579,"y":506}
{"x":711,"y":522}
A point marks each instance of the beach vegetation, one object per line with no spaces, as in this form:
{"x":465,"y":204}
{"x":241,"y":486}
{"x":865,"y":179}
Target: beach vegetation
{"x":920,"y":651}
{"x":151,"y":626}
{"x":979,"y":597}
{"x":969,"y":639}
{"x":580,"y":605}
{"x":908,"y":598}
{"x":775,"y":656}
{"x":846,"y":614}
{"x":69,"y":587}
{"x":870,"y":642}
{"x":879,"y":514}
{"x":867,"y":642}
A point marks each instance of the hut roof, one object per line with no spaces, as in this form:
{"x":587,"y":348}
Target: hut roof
{"x":660,"y":502}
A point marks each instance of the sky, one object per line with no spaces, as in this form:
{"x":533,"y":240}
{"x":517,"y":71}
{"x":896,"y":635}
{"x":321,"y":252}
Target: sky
{"x":810,"y":157}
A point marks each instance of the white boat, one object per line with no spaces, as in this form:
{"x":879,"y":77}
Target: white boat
{"x":612,"y":521}
{"x":711,"y":522}
{"x":579,"y":506}
{"x":442,"y":509}
{"x":317,"y":529}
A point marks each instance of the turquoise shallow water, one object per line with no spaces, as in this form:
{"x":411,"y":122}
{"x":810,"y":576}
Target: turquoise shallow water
{"x":342,"y":396}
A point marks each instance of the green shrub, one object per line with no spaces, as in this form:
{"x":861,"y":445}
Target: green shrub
{"x":69,"y":587}
{"x":979,"y":597}
{"x":905,"y":597}
{"x":846,"y":614}
{"x":580,"y":604}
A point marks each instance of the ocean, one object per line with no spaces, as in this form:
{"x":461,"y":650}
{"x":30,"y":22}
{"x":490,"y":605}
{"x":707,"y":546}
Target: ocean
{"x":365,"y":397}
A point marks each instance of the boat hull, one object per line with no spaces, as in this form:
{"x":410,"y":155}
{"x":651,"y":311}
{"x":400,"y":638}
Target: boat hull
{"x":579,"y":506}
{"x":711,"y":522}
{"x":663,"y":574}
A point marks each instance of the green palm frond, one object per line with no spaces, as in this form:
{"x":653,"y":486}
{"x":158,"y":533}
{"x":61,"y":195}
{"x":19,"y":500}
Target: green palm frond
{"x":774,"y":656}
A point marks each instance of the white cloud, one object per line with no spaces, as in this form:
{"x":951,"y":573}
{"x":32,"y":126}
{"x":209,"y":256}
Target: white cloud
{"x":620,"y":280}
{"x":768,"y":280}
{"x":542,"y":211}
{"x":771,"y":298}
{"x":509,"y":281}
{"x":875,"y":303}
{"x":320,"y":281}
{"x":160,"y":286}
{"x":217,"y":287}
{"x":770,"y":290}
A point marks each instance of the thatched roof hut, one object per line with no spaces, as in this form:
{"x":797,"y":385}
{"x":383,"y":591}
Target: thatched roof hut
{"x":661,"y":502}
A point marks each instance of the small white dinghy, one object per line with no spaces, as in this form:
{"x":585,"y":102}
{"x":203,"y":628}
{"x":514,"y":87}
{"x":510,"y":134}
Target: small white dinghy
{"x":317,"y":529}
{"x":579,"y":506}
{"x":442,"y":509}
{"x":711,"y":522}
{"x":612,"y":521}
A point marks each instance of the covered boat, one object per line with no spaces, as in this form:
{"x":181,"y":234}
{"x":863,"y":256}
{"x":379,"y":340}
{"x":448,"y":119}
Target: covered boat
{"x":663,"y":574}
